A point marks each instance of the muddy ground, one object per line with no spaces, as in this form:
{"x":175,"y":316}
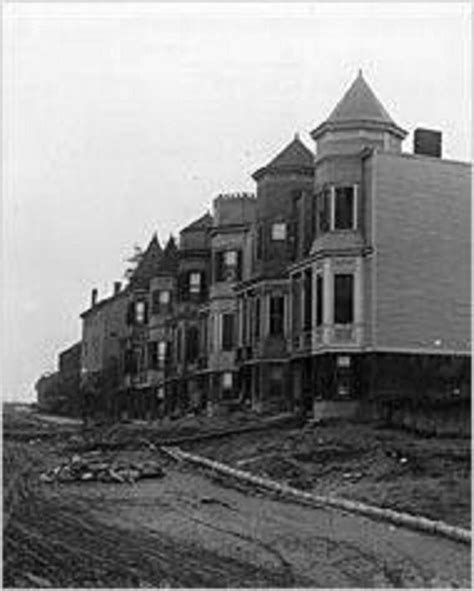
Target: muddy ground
{"x":385,"y":467}
{"x":190,"y":530}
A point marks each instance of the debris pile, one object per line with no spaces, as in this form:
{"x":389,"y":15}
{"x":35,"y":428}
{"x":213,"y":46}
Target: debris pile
{"x":80,"y":469}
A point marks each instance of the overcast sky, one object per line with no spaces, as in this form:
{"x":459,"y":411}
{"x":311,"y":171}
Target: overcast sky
{"x":125,"y":119}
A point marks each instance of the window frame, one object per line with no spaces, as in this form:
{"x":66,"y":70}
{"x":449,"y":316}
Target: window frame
{"x":195,"y":288}
{"x":274,"y":230}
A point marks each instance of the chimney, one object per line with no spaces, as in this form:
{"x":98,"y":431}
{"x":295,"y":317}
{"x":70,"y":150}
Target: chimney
{"x":117,"y":286}
{"x":94,"y":295}
{"x":427,"y":142}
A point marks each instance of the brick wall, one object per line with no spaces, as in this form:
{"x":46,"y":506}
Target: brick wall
{"x":422,"y":261}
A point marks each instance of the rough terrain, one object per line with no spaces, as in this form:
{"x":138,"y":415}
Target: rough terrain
{"x":189,"y":529}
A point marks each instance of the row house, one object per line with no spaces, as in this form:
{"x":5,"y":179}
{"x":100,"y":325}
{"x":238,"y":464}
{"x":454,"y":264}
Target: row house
{"x":345,"y":278}
{"x":231,"y":257}
{"x":380,"y":299}
{"x":284,"y":187}
{"x":59,"y":391}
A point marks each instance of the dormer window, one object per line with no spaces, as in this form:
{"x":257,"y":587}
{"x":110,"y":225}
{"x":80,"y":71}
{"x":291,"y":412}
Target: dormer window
{"x":279,"y":231}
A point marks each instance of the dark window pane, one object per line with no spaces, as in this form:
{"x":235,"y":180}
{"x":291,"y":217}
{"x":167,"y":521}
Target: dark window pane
{"x":155,"y":302}
{"x":319,"y":300}
{"x":227,"y":332}
{"x":308,"y":297}
{"x":344,"y":203}
{"x":260,"y":242}
{"x":277,"y":310}
{"x":153,"y":355}
{"x":324,"y":215}
{"x":295,"y":291}
{"x":192,"y":344}
{"x":343,"y":299}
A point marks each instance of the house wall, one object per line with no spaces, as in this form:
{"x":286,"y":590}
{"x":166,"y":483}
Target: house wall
{"x":422,"y":262}
{"x":275,"y":194}
{"x":103,"y":330}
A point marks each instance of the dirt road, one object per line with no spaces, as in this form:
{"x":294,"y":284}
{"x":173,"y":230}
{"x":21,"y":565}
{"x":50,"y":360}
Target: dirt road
{"x":196,"y":533}
{"x":190,"y":530}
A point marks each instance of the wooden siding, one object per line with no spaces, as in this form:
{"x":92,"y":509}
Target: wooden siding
{"x":422,"y":253}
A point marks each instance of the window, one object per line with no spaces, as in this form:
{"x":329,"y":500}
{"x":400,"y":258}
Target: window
{"x":344,"y":208}
{"x":319,"y":300}
{"x":279,"y":231}
{"x":227,"y":332}
{"x":343,"y":299}
{"x":161,"y":301}
{"x":153,"y":355}
{"x":164,"y":297}
{"x":259,"y":253}
{"x":179,"y":344}
{"x":228,"y":265}
{"x":230,"y":258}
{"x":192,"y":344}
{"x":162,"y":354}
{"x":195,"y":282}
{"x":160,"y":393}
{"x":308,"y":297}
{"x":323,"y":203}
{"x":140,"y":312}
{"x":227,"y":381}
{"x":277,"y":310}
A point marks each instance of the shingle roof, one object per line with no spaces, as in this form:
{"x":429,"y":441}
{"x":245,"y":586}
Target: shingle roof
{"x":360,"y":103}
{"x":148,"y":265}
{"x":201,"y":223}
{"x":294,"y":155}
{"x":169,"y":261}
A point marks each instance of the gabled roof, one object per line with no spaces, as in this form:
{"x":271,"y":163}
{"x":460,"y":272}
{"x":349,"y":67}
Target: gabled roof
{"x":294,"y":156}
{"x":202,"y":223}
{"x":169,"y":261}
{"x":148,"y":265}
{"x":359,"y":105}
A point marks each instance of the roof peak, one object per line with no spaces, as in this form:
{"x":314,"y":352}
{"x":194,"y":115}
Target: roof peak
{"x":360,"y":103}
{"x":294,"y":155}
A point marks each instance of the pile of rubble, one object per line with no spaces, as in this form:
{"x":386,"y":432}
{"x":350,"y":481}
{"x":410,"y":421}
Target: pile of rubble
{"x":80,"y":469}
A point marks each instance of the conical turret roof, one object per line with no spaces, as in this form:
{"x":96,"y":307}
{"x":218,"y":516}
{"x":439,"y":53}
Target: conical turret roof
{"x":359,"y":105}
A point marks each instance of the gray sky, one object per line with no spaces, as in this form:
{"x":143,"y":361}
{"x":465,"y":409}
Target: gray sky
{"x":123,"y":119}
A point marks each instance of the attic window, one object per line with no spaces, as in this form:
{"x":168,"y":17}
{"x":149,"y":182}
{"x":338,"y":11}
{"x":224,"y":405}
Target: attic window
{"x":279,"y":231}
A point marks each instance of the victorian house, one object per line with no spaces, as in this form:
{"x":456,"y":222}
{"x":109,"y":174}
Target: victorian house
{"x":345,"y":279}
